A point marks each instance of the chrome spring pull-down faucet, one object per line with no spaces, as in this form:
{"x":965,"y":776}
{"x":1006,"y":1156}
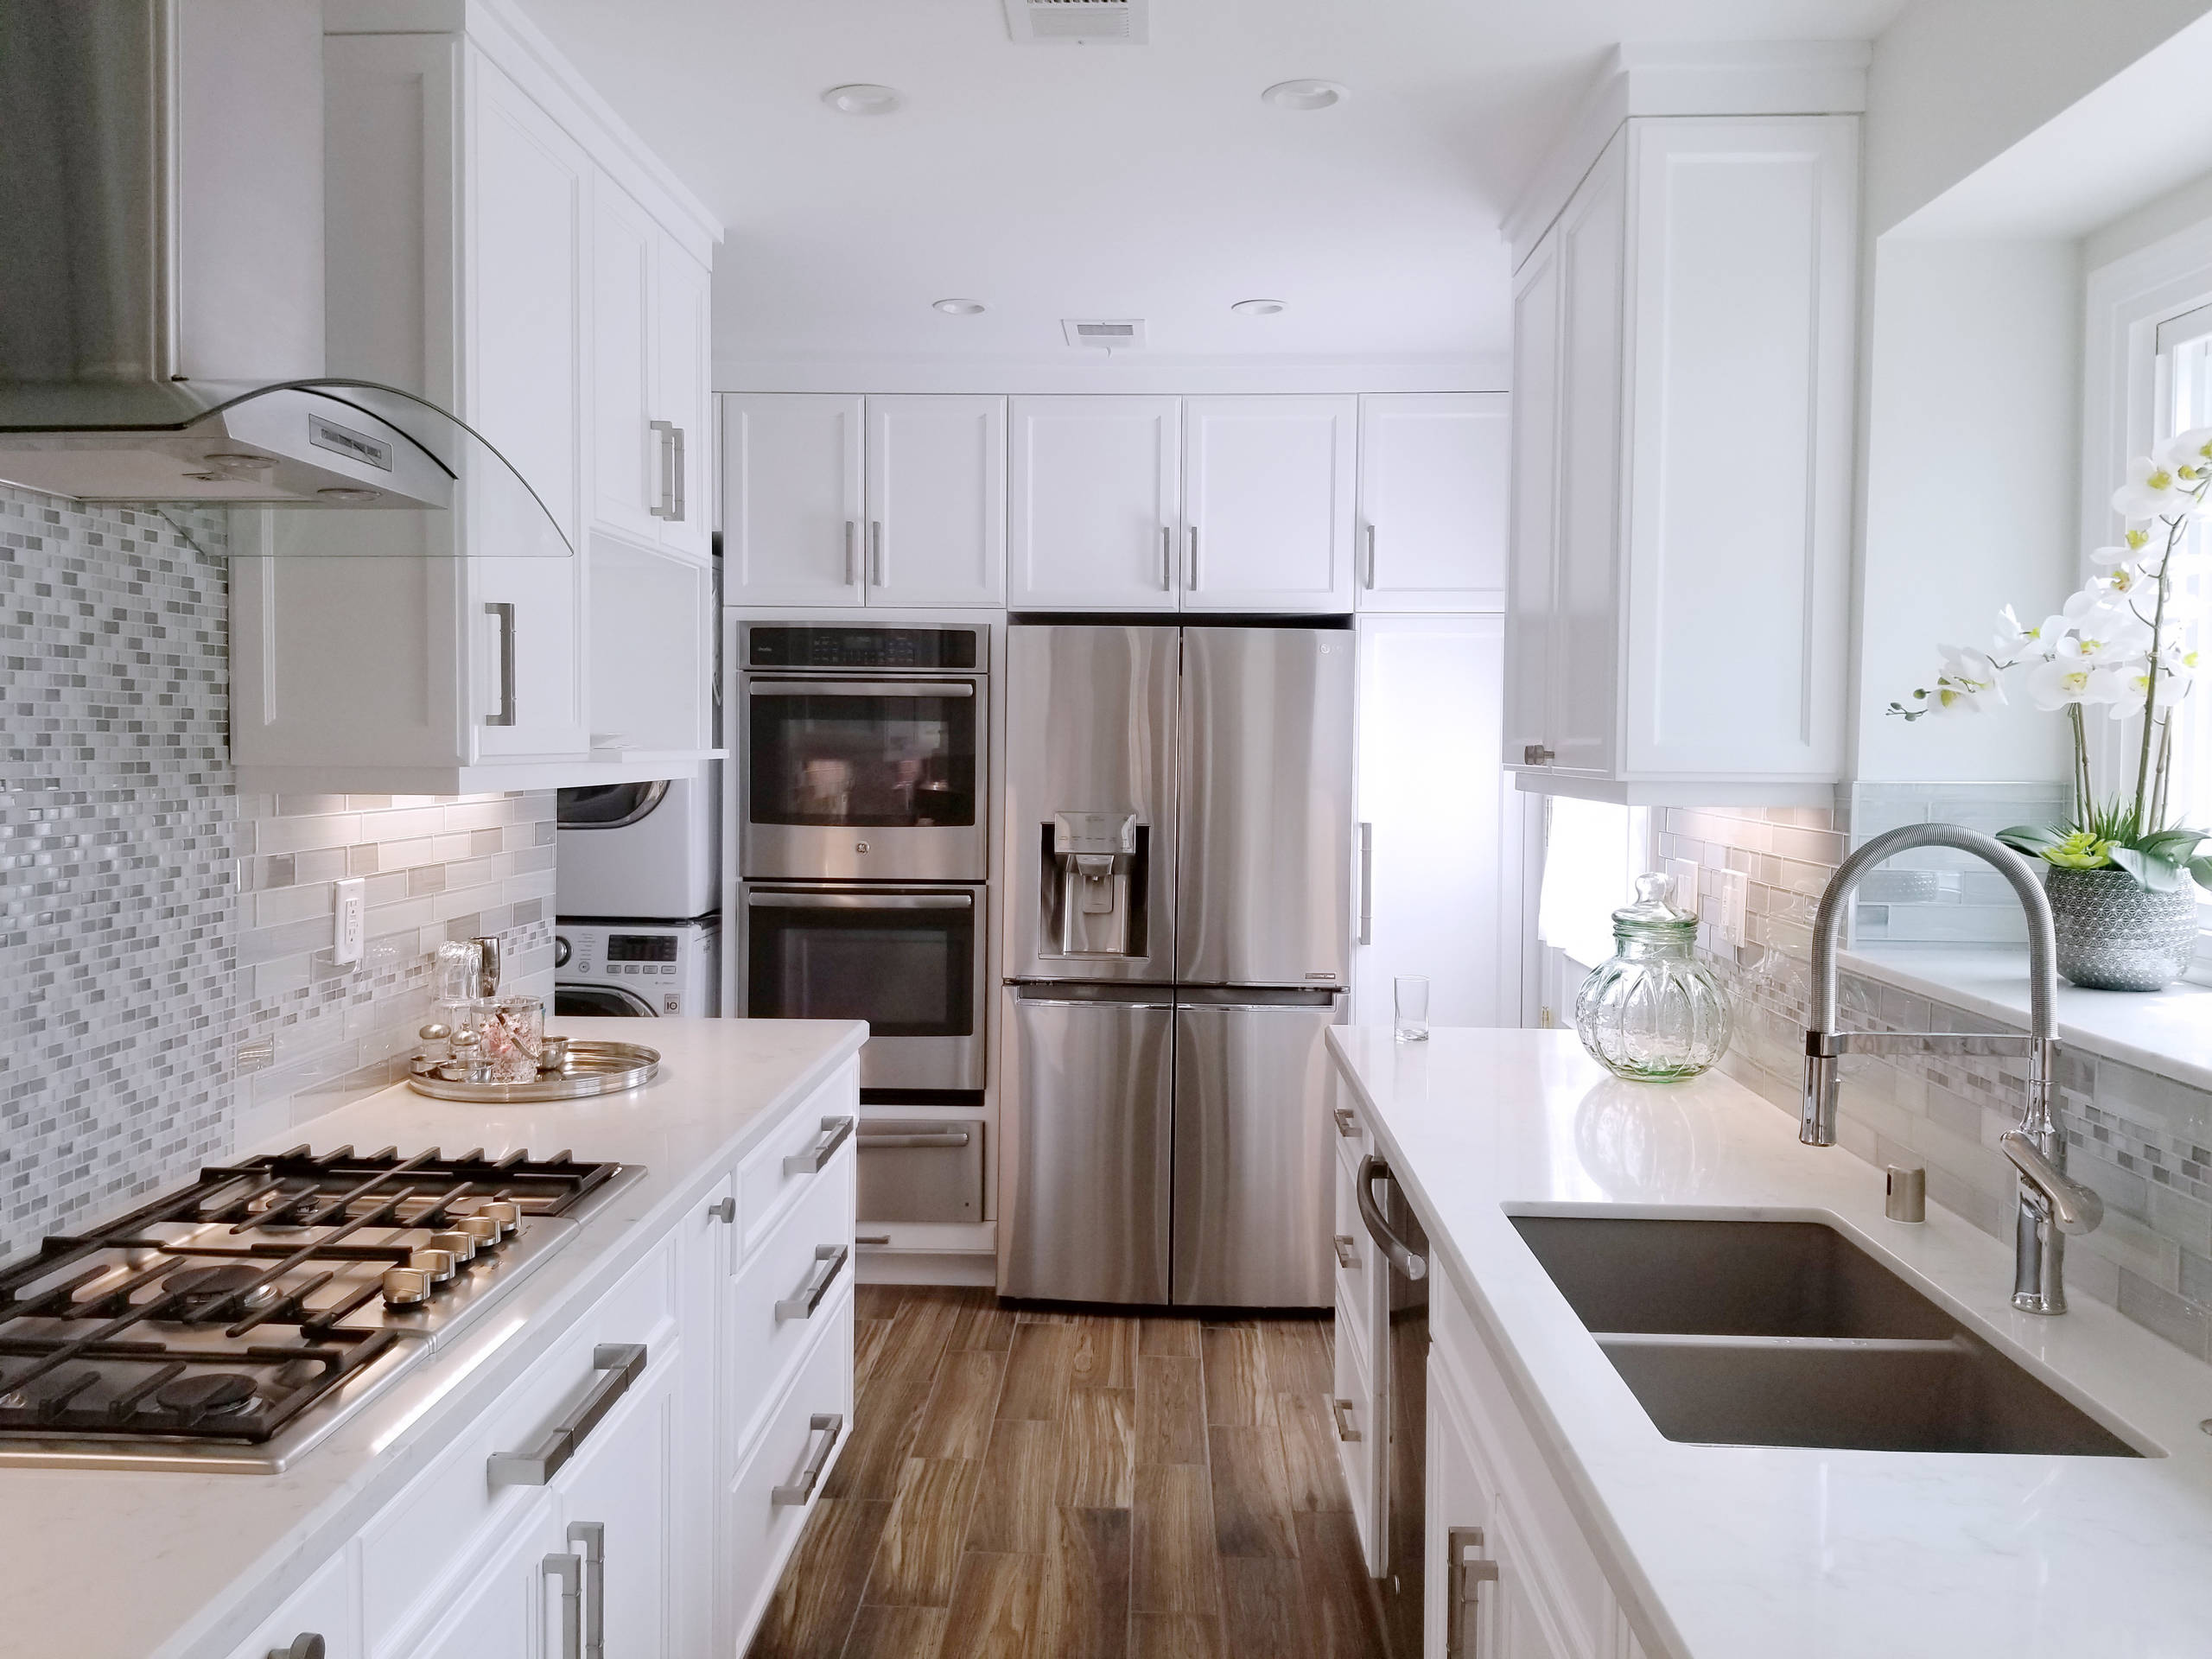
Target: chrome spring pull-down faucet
{"x":2052,"y":1203}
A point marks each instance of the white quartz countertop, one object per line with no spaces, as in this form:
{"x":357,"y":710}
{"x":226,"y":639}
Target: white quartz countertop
{"x":112,"y":1565}
{"x":1757,"y":1552}
{"x":2168,"y":1032}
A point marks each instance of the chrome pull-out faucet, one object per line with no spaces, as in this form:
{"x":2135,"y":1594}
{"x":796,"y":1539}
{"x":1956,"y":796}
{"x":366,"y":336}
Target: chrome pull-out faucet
{"x":2052,"y":1203}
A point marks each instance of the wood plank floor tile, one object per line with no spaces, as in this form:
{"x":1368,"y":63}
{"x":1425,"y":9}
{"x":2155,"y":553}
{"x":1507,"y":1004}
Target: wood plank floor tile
{"x":919,"y":1335}
{"x":1342,"y":1619}
{"x":1104,"y":1356}
{"x":1251,"y":1494}
{"x":1087,"y":1586}
{"x":1260,"y":1612}
{"x":1309,"y":1452}
{"x":896,"y":1633}
{"x":956,"y":1421}
{"x":1036,"y":1372}
{"x":1173,"y":1635}
{"x":1172,"y":1566}
{"x":883,"y":1428}
{"x":1298,"y":1360}
{"x":813,"y":1605}
{"x":1098,"y":1449}
{"x":869,"y":1338}
{"x":1237,"y":1376}
{"x":987,"y":1326}
{"x":919,"y":1555}
{"x":996,"y":1608}
{"x":1172,"y":1338}
{"x":1013,"y":1515}
{"x":877,"y":1301}
{"x":1044,"y":1313}
{"x":1170,"y":1410}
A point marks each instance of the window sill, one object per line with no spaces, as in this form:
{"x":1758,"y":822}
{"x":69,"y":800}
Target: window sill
{"x":2166,"y":1032}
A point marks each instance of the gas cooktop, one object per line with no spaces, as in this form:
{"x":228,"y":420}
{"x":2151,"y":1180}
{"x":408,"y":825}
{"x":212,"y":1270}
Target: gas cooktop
{"x":234,"y":1323}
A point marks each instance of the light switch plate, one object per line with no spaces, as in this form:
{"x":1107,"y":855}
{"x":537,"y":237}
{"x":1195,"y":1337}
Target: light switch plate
{"x":1735,"y":894}
{"x":353,"y":921}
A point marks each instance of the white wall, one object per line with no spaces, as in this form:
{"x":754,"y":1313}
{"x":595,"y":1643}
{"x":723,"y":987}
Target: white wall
{"x":1973,"y":394}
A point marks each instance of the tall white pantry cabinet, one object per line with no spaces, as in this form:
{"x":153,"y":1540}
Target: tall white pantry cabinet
{"x":1683,"y":371}
{"x":493,"y":246}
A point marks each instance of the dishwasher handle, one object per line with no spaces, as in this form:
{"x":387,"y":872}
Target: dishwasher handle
{"x":1408,"y":1262}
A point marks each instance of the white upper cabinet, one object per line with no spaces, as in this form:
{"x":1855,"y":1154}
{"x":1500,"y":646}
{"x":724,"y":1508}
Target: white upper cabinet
{"x":684,"y":400}
{"x":793,"y":499}
{"x":1095,"y":503}
{"x":1434,"y":483}
{"x":1268,"y":489}
{"x":1683,"y":445}
{"x":936,"y":500}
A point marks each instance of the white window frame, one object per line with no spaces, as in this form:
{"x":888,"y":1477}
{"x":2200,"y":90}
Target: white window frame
{"x":2125,"y":398}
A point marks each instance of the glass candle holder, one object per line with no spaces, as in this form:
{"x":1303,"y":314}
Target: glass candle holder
{"x":514,"y":1036}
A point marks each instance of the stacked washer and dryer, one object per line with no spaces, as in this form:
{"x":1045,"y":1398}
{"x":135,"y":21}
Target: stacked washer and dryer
{"x":638,"y":887}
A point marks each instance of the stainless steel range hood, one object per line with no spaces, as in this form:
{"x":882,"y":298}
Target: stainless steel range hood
{"x":162,"y":265}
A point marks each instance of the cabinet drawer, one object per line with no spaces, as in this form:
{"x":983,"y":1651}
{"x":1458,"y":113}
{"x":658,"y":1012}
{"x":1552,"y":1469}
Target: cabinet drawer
{"x":1355,"y":1282}
{"x":760,"y":1526}
{"x":1353,"y":1141}
{"x":768,"y":1327}
{"x":433,"y":1534}
{"x":326,"y":1606}
{"x":776,"y":1174}
{"x":1353,"y":1411}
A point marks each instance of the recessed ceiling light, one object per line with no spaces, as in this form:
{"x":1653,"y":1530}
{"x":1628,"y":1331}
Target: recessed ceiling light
{"x":1260,"y":308}
{"x":862,"y":97}
{"x":957,"y":308}
{"x":1306,"y":94}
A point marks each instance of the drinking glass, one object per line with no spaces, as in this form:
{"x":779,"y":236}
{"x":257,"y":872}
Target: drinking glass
{"x":1409,"y":994}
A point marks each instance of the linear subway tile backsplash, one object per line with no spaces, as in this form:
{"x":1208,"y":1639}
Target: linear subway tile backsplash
{"x":164,"y":941}
{"x":2144,"y":1142}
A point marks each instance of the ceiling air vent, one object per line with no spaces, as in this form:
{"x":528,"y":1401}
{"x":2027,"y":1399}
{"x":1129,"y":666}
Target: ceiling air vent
{"x":1124,"y":334}
{"x":1084,"y":23}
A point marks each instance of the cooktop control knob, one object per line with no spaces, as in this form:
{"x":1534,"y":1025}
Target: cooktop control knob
{"x":505,"y":1212}
{"x":482,"y":1229}
{"x":438,"y":1263}
{"x":406,"y":1287}
{"x":460,"y":1245}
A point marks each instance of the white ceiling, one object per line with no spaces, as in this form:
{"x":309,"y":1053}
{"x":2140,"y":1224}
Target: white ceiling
{"x":1150,"y":182}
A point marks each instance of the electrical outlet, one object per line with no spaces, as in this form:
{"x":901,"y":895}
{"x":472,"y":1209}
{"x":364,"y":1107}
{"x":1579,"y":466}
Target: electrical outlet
{"x":1735,"y":896}
{"x":353,"y":921}
{"x":1684,"y":871}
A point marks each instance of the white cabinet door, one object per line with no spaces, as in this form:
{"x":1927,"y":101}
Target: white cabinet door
{"x":1458,"y":1495}
{"x":791,"y":500}
{"x":1585,"y":659}
{"x":1093,"y":503}
{"x":936,"y":500}
{"x":327,"y":1605}
{"x":1268,"y":489}
{"x":624,"y":459}
{"x":522,"y":388}
{"x":513,"y":1607}
{"x":614,"y":1501}
{"x":1441,"y":858}
{"x":683,"y":401}
{"x":1434,"y":483}
{"x":1532,"y":571}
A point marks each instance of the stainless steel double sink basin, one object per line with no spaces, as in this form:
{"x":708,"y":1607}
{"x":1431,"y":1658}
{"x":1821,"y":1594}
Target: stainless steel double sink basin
{"x":1745,"y":1332}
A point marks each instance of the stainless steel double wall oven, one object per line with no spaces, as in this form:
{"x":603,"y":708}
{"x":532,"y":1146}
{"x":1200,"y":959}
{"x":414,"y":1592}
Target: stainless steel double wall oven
{"x":864,"y":840}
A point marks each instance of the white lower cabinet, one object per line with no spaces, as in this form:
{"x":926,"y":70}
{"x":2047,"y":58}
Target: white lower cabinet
{"x":326,"y":1607}
{"x":614,"y":1502}
{"x":513,"y":1607}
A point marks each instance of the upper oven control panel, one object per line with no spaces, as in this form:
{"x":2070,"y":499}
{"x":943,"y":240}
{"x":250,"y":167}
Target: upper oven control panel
{"x":845,"y":647}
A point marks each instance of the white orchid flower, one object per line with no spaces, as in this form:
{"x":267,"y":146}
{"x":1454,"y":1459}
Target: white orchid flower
{"x":2188,"y":454}
{"x":2179,"y":665}
{"x":2123,"y":688}
{"x":2068,"y":680}
{"x":2135,"y":543}
{"x":1967,"y":683}
{"x":2018,"y":641}
{"x":2152,"y":491}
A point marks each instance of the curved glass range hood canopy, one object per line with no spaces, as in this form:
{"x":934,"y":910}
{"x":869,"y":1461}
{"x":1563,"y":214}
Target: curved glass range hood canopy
{"x":327,"y":468}
{"x":162,"y":294}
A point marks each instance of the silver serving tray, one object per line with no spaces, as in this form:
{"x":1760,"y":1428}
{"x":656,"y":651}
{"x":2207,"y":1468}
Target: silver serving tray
{"x":590,"y":1069}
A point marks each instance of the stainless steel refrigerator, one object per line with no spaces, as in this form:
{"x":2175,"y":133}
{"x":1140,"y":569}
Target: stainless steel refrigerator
{"x":1179,"y":847}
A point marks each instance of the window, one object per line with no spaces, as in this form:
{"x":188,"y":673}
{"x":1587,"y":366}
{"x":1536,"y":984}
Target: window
{"x":2181,"y":384}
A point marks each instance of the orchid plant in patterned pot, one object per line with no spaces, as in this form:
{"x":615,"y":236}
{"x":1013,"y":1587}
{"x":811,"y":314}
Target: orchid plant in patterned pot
{"x":2121,"y":879}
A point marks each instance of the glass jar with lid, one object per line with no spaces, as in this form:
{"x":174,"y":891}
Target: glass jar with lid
{"x":1655,"y":1011}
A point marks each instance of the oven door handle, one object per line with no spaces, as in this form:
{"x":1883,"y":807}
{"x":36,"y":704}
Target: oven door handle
{"x":860,"y":689}
{"x":888,"y":1142}
{"x":860,"y":901}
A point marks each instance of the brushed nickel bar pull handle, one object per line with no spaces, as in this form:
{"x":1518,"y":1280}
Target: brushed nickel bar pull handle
{"x":828,"y":1262}
{"x":852,"y":553}
{"x":1347,"y":1125}
{"x":570,"y":1570}
{"x":1464,"y":1578}
{"x":1194,"y":558}
{"x":1341,"y":1411}
{"x":876,"y":552}
{"x":619,"y":1364}
{"x":503,"y":613}
{"x":1168,"y":558}
{"x":1367,"y":883}
{"x":1347,"y":1252}
{"x":1370,"y":558}
{"x":664,"y":506}
{"x":592,"y":1535}
{"x":682,"y":506}
{"x":830,"y":1425}
{"x":834,"y":1133}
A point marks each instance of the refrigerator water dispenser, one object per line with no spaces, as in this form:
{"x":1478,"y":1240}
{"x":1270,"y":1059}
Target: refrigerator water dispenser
{"x":1093,"y":906}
